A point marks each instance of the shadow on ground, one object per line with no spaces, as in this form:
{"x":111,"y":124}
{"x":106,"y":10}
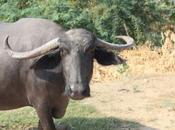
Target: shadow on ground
{"x":110,"y":123}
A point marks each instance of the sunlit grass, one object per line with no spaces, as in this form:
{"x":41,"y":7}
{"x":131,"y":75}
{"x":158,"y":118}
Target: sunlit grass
{"x":78,"y":116}
{"x":25,"y":118}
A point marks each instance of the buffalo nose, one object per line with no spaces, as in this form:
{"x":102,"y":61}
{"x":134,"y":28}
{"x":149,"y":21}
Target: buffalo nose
{"x":75,"y":94}
{"x":86,"y":93}
{"x":78,"y":94}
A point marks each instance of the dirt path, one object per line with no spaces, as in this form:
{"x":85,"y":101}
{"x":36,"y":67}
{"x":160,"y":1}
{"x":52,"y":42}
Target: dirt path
{"x":148,"y":100}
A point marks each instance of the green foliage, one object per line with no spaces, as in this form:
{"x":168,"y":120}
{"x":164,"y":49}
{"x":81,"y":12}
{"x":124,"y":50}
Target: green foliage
{"x":122,"y":68}
{"x":143,"y":20}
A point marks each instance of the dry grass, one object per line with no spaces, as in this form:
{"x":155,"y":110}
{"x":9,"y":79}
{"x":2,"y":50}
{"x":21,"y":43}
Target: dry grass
{"x":142,"y":60}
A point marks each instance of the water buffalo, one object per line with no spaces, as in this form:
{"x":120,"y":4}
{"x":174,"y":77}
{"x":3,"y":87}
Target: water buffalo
{"x":47,"y":65}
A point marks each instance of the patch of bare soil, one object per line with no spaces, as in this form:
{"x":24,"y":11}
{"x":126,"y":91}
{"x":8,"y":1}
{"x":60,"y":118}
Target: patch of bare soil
{"x":148,"y":100}
{"x":144,"y":91}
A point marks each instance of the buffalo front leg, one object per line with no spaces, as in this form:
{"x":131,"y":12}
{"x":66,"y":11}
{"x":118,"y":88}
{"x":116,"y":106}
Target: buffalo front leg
{"x":60,"y":127}
{"x":45,"y":118}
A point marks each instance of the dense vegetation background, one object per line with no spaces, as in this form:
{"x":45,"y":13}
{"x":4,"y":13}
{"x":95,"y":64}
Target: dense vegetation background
{"x":144,"y":20}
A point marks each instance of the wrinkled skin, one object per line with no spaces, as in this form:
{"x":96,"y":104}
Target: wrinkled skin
{"x":47,"y":82}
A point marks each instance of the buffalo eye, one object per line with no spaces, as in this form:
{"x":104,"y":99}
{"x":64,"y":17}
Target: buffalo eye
{"x":90,"y":50}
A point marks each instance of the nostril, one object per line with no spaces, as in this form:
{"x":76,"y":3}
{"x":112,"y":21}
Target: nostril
{"x":67,"y":90}
{"x":86,"y":93}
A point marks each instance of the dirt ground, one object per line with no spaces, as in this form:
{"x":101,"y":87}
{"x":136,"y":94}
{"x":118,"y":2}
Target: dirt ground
{"x":148,"y":100}
{"x":142,"y":92}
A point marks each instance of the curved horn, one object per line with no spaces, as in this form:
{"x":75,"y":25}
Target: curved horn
{"x":129,"y":40}
{"x":53,"y":44}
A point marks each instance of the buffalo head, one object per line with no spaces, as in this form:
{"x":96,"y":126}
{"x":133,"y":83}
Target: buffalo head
{"x":76,"y":50}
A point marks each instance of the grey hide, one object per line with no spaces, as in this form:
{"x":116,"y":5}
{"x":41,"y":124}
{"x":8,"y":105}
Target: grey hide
{"x":47,"y":79}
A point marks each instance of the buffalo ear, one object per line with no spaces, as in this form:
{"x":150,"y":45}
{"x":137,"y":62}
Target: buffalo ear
{"x":49,"y":61}
{"x":107,"y":58}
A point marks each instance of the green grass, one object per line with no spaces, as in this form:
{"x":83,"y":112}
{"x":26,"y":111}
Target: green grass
{"x":78,"y":116}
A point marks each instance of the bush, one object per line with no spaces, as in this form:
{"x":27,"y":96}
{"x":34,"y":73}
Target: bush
{"x":142,"y":20}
